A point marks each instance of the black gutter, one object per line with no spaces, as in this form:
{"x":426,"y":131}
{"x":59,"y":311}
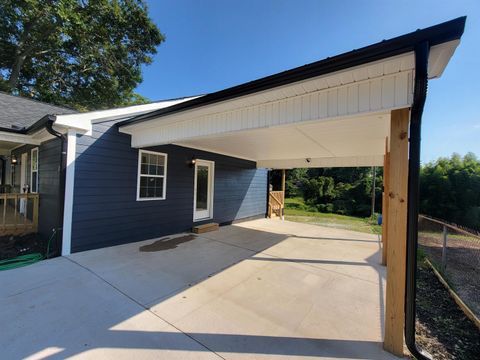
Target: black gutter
{"x":422,"y":51}
{"x":63,"y":176}
{"x":40,"y":124}
{"x":441,"y":33}
{"x":12,"y":130}
{"x":419,"y":96}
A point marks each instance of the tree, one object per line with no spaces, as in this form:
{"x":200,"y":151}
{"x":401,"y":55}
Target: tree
{"x":78,"y":53}
{"x":450,"y":189}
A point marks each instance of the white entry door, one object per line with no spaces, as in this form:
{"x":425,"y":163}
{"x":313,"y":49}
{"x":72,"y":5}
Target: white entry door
{"x":203,"y":190}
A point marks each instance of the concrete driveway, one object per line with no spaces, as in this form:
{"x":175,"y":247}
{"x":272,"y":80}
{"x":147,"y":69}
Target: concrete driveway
{"x":260,"y":289}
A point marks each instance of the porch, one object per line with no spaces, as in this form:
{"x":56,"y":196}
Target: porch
{"x":260,"y":289}
{"x":18,"y":213}
{"x":19,"y":184}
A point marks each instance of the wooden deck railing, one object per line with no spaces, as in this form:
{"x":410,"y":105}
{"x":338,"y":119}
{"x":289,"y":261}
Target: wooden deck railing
{"x":19,"y":213}
{"x":275,"y":203}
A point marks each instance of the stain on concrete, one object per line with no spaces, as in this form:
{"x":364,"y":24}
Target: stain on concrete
{"x":166,"y":243}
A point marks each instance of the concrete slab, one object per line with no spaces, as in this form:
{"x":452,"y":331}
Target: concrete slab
{"x":260,"y":289}
{"x":56,"y":309}
{"x":152,"y":276}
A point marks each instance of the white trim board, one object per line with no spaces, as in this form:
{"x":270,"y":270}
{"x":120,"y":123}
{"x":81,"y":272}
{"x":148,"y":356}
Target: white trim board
{"x":69,"y":189}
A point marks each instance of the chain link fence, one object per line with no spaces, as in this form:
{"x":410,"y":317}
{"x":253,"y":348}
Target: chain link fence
{"x":455,"y":252}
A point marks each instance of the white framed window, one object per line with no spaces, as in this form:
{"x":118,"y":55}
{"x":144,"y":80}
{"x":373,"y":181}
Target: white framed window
{"x":152,"y":175}
{"x":34,"y":170}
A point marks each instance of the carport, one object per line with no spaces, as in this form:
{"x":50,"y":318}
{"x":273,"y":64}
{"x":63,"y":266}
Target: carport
{"x":361,"y":108}
{"x":263,"y":289}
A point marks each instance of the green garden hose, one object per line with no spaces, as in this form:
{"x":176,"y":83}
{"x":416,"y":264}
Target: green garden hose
{"x":27,"y":259}
{"x":19,"y":261}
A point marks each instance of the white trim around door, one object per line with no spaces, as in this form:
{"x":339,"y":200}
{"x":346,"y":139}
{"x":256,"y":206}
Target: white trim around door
{"x":204,"y":178}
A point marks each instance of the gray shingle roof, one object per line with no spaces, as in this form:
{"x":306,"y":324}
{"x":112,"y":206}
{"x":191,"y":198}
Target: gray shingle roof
{"x":18,"y":112}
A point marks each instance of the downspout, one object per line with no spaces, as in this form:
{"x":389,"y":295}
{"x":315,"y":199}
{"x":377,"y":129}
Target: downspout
{"x":419,"y":95}
{"x":61,"y":185}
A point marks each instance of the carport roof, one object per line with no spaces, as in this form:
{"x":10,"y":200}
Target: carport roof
{"x":434,"y":35}
{"x":334,"y":112}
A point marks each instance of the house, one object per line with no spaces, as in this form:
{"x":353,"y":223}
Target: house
{"x":24,"y":139}
{"x":145,"y":171}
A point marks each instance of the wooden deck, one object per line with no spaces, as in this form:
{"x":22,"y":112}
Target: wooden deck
{"x":19,"y":214}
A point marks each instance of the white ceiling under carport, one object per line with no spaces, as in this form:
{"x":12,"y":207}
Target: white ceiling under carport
{"x":350,"y":141}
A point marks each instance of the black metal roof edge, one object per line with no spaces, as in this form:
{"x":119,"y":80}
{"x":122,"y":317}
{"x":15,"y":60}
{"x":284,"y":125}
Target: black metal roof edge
{"x":437,"y":34}
{"x":38,"y":125}
{"x":12,"y":130}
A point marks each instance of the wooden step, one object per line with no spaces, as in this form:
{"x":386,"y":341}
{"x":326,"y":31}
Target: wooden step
{"x":199,"y":229}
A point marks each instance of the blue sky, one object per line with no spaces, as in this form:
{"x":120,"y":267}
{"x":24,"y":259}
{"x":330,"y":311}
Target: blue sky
{"x":214,"y":44}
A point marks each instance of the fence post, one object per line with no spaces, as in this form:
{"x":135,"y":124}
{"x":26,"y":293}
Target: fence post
{"x":444,"y":248}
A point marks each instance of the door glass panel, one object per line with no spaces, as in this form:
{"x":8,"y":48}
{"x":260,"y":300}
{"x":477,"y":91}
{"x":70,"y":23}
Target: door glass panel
{"x":202,"y":187}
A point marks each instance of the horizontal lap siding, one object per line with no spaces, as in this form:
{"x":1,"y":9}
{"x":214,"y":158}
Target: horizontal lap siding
{"x":106,"y":212}
{"x":48,"y":185}
{"x":48,"y":182}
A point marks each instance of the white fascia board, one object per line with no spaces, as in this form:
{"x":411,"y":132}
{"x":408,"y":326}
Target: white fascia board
{"x":351,"y":161}
{"x":82,"y":122}
{"x":18,"y":138}
{"x":79,"y":122}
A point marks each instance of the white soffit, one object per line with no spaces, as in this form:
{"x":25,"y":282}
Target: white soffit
{"x":352,"y":141}
{"x":439,"y":57}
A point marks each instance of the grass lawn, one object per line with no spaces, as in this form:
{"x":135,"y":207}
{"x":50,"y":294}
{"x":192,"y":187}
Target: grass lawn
{"x":296,"y":210}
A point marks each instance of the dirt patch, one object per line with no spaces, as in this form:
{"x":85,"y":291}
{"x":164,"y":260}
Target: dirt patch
{"x":13,"y":246}
{"x":463,"y":265}
{"x":166,"y":243}
{"x":442,"y":328}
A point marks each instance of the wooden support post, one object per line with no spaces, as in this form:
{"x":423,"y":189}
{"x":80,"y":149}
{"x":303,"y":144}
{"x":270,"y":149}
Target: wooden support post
{"x":35,"y":213}
{"x":397,"y":232}
{"x":385,"y":202}
{"x":283,"y":189}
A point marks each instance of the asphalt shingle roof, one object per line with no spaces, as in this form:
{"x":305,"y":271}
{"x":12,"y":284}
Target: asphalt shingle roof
{"x":18,"y":112}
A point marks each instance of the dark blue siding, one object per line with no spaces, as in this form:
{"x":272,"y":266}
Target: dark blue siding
{"x":48,"y":183}
{"x":49,"y":162}
{"x":106,"y":212}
